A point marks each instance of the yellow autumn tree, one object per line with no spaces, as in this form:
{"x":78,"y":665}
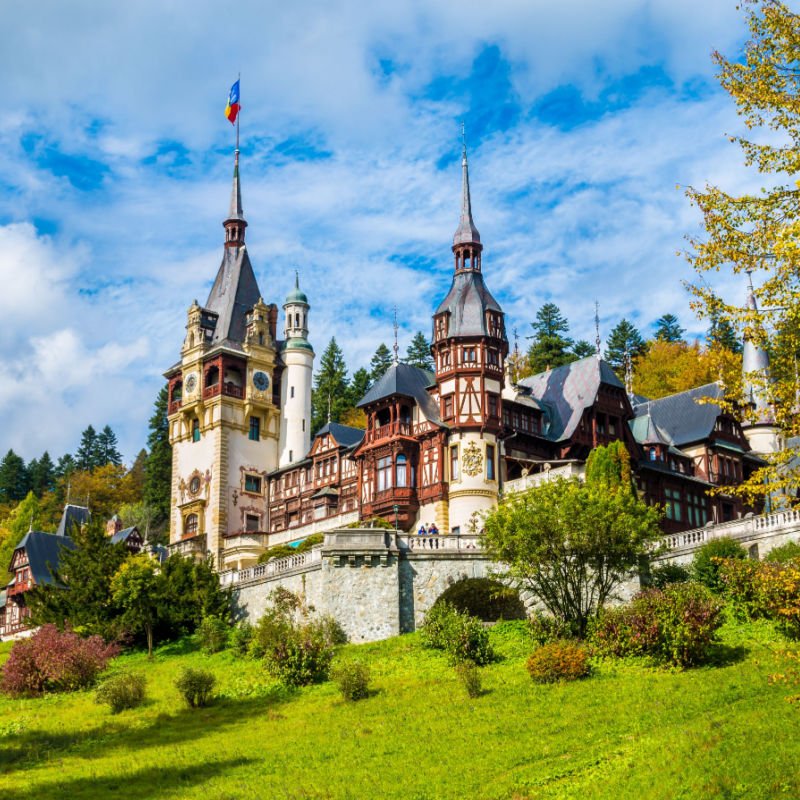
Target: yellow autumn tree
{"x":758,"y":233}
{"x":670,"y":367}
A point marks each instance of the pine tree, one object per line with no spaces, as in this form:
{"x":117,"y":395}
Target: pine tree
{"x":668,"y":329}
{"x":721,"y":333}
{"x":106,"y":448}
{"x":14,"y":478}
{"x":158,"y":467}
{"x":330,"y":393}
{"x":583,"y":349}
{"x":359,"y":386}
{"x":86,"y":457}
{"x":624,"y":336}
{"x":381,"y":362}
{"x":137,"y":472}
{"x":418,"y":353}
{"x":42,"y":474}
{"x":65,"y":467}
{"x":26,"y":516}
{"x":551,"y":347}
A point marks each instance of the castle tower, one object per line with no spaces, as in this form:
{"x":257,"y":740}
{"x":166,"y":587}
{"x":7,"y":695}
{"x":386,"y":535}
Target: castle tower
{"x":298,"y":357}
{"x":223,"y":419}
{"x":469,"y":349}
{"x":759,"y":424}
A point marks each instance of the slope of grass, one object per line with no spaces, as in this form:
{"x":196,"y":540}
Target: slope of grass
{"x":629,"y":731}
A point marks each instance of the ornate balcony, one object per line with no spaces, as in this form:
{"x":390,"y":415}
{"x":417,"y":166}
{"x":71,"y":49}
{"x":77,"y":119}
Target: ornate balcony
{"x":226,"y":389}
{"x":192,"y":546}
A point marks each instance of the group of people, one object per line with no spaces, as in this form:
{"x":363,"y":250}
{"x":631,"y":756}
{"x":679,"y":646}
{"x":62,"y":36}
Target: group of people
{"x":428,"y":530}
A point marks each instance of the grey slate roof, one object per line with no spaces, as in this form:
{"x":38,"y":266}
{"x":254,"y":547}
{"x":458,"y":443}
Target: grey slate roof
{"x":234,"y":293}
{"x":344,"y":434}
{"x":44,"y":552}
{"x":568,"y":391}
{"x":468,"y":301}
{"x":123,"y":535}
{"x":679,"y":418}
{"x":73,"y":515}
{"x":406,"y":381}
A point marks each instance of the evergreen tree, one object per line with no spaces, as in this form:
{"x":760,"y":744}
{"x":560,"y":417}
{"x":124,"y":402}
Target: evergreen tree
{"x":624,"y":336}
{"x":158,"y":467}
{"x":42,"y":474}
{"x":551,"y":347}
{"x":14,"y":478}
{"x":106,"y":448}
{"x":86,"y":457}
{"x":81,"y":593}
{"x":418,"y":353}
{"x":721,"y":333}
{"x":330,"y":395}
{"x":25,"y":516}
{"x":668,"y":329}
{"x":65,"y":467}
{"x":359,"y":386}
{"x":138,"y":473}
{"x":381,"y":361}
{"x":583,"y":349}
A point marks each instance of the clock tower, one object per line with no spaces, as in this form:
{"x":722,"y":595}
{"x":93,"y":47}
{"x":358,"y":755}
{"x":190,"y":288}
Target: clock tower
{"x":223,"y":415}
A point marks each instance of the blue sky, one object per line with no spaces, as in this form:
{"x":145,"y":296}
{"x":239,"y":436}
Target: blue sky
{"x":115,"y":162}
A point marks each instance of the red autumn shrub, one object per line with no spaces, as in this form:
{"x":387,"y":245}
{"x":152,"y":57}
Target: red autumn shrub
{"x":54,"y":661}
{"x":559,"y":661}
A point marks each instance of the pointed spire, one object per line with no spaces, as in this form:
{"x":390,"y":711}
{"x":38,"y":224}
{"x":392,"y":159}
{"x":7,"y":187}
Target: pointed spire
{"x":755,"y":367}
{"x":597,"y":329}
{"x":466,"y":233}
{"x":235,"y":211}
{"x":396,"y":346}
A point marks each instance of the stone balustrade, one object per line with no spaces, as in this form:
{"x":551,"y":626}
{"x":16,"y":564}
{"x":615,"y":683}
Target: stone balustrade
{"x":765,"y":525}
{"x":193,"y":546}
{"x":310,"y":559}
{"x":446,"y":542}
{"x":570,"y":470}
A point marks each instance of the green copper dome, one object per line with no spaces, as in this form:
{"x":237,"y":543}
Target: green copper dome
{"x":296,"y":296}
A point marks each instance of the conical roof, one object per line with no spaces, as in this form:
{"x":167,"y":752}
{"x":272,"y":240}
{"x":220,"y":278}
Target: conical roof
{"x":466,"y":233}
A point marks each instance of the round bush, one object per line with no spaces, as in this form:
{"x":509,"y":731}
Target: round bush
{"x":352,"y":678}
{"x":196,"y":686}
{"x":461,"y":636}
{"x":705,"y":566}
{"x":559,"y":661}
{"x":664,"y":574}
{"x":786,"y":552}
{"x":487,"y":599}
{"x":122,"y":691}
{"x":545,"y":629}
{"x":212,"y":634}
{"x":240,"y":638}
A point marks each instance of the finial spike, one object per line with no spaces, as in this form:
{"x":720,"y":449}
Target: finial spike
{"x":396,"y":346}
{"x":597,"y":328}
{"x":628,"y":373}
{"x":466,"y":233}
{"x":296,"y":279}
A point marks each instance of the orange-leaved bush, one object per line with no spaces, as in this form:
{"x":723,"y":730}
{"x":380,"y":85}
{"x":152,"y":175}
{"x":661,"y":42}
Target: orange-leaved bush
{"x":559,"y":661}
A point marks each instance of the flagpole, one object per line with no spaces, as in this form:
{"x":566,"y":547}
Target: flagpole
{"x":239,"y":81}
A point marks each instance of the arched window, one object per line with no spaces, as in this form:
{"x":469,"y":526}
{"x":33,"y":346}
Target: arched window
{"x":190,"y":525}
{"x":402,"y":470}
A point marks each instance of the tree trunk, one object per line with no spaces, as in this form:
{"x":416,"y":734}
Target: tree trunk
{"x":149,"y":631}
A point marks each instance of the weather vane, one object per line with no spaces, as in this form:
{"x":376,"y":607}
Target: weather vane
{"x":396,"y":347}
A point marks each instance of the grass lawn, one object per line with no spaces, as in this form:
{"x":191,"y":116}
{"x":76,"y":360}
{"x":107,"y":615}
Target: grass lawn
{"x":627,"y":732}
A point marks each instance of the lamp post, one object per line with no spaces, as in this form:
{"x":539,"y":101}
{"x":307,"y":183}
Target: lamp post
{"x":396,"y":509}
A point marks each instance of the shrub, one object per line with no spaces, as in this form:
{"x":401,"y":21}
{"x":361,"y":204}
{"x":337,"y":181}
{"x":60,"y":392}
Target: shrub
{"x":668,"y":573}
{"x":196,"y":686}
{"x":278,"y":551}
{"x":765,"y":589}
{"x":240,"y":638}
{"x":786,"y":552}
{"x":212,"y":634}
{"x":352,"y":678}
{"x":705,"y":566}
{"x":559,"y":661}
{"x":485,"y":598}
{"x":470,"y":677}
{"x":332,"y":631}
{"x":55,"y":661}
{"x":310,"y":541}
{"x":121,"y":691}
{"x":545,"y":629}
{"x":675,"y":625}
{"x":461,"y":636}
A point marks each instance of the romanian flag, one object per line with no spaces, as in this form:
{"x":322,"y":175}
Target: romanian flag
{"x":232,"y":109}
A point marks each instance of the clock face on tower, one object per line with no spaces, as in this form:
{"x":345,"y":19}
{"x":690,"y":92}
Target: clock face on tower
{"x":261,"y":381}
{"x":191,"y":382}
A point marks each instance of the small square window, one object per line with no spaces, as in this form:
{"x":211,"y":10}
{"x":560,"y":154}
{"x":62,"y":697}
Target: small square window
{"x":252,"y":483}
{"x":252,"y":522}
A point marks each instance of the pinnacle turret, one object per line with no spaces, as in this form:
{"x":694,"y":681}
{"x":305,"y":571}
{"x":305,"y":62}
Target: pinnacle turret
{"x":235,"y":222}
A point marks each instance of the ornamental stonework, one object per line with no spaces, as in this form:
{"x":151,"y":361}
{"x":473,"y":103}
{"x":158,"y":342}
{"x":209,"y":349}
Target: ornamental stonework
{"x":472,"y":460}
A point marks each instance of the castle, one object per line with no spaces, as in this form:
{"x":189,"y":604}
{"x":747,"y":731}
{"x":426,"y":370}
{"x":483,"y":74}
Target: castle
{"x":438,"y":447}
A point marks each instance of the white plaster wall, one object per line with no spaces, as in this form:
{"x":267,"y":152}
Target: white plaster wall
{"x":295,"y":434}
{"x":471,"y":494}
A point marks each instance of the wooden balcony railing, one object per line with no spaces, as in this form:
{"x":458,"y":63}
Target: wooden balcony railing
{"x":174,"y":406}
{"x":227,"y":389}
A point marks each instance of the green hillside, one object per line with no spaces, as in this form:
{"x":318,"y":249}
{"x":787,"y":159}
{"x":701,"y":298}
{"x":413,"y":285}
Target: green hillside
{"x":629,"y":731}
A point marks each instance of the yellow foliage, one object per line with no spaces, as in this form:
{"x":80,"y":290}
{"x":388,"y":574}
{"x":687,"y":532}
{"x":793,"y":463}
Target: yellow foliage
{"x":354,"y":418}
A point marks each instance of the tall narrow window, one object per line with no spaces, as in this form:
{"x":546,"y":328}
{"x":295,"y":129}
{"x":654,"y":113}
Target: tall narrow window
{"x":291,"y":391}
{"x":255,"y":428}
{"x":195,"y":430}
{"x":384,"y":473}
{"x":190,"y":525}
{"x":401,"y":470}
{"x":454,"y":471}
{"x":490,"y":462}
{"x":493,"y":405}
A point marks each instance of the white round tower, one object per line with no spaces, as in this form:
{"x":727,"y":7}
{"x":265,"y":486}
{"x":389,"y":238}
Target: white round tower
{"x":298,"y":356}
